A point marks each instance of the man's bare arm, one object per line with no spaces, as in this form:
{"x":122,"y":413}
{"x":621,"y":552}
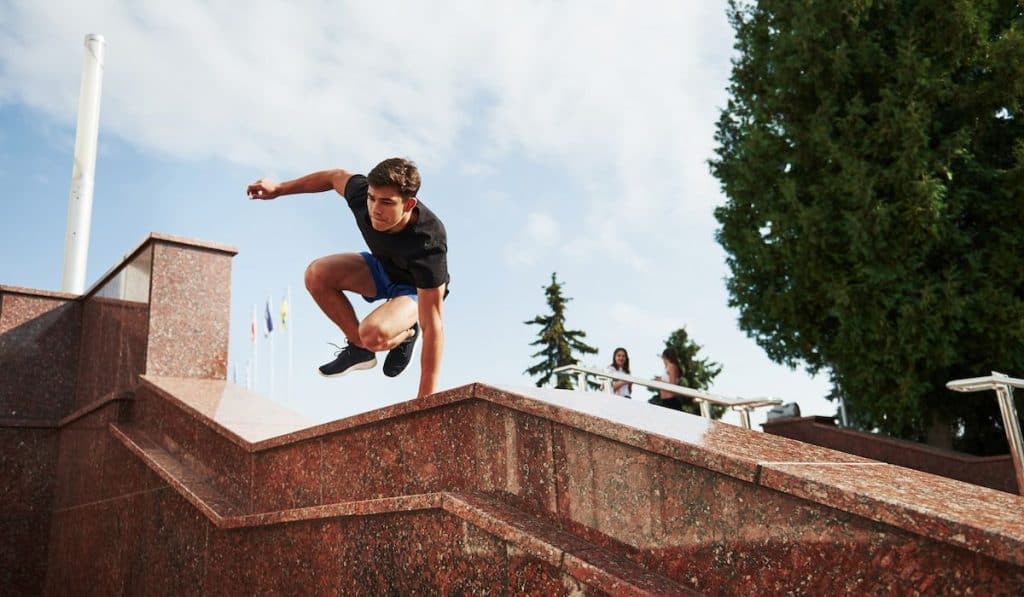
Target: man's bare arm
{"x":430,"y":302}
{"x":317,"y":182}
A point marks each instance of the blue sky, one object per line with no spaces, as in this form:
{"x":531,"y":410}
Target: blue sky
{"x":569,"y":137}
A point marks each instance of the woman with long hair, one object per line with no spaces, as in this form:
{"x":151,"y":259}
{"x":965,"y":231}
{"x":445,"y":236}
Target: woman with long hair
{"x":620,"y":364}
{"x":673,"y":373}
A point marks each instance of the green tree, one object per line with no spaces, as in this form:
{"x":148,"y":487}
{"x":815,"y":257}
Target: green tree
{"x":556,"y":342}
{"x":872,"y":156}
{"x":696,"y":372}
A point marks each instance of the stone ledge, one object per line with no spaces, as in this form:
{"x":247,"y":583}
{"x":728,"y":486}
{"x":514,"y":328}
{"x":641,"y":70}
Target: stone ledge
{"x":583,"y":561}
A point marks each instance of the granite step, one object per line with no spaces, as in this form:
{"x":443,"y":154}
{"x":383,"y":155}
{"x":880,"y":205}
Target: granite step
{"x":175,"y":424}
{"x":597,"y":566}
{"x":591,"y":565}
{"x":194,"y":485}
{"x":219,"y":456}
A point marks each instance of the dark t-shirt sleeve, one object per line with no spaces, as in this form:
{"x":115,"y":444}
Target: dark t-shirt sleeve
{"x":355,"y":192}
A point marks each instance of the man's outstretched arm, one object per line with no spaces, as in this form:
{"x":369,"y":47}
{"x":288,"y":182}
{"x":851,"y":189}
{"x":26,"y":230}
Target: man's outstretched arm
{"x":317,"y":182}
{"x":430,"y":302}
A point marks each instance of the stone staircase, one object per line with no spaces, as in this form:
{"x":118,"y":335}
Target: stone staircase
{"x":488,"y":490}
{"x":239,"y":486}
{"x":139,"y":470}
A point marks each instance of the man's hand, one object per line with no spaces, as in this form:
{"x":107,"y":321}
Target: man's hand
{"x":317,"y":182}
{"x":263,"y":189}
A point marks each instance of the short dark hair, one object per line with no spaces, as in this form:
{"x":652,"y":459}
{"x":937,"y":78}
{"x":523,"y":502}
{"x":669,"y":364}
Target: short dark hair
{"x":396,"y":172}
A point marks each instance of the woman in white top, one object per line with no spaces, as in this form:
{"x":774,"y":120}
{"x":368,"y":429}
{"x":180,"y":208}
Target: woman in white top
{"x":620,"y":364}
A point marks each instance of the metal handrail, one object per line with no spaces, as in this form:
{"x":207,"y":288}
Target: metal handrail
{"x":742,"y":405}
{"x":1003,"y":386}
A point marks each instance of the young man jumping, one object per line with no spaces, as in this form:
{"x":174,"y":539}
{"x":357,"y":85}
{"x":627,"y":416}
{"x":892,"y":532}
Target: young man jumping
{"x":407,"y":267}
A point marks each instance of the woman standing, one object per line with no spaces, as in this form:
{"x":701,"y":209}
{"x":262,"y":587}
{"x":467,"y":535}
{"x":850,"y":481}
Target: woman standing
{"x":620,"y":364}
{"x":673,"y":372}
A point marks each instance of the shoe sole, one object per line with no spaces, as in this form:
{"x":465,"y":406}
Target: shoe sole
{"x":357,"y":367}
{"x":396,"y":373}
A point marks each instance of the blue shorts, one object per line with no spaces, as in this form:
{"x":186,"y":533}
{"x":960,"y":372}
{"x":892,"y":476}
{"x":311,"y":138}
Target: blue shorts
{"x":386,"y":289}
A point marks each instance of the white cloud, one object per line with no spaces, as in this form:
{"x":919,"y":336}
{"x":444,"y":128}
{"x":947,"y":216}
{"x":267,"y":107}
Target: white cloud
{"x":620,"y":95}
{"x":614,"y":100}
{"x":542,"y":228}
{"x":540,"y":234}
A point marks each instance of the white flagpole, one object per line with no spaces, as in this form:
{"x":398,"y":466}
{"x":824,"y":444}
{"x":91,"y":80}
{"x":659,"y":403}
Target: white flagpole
{"x":76,"y":236}
{"x":255,"y":349}
{"x":291,"y":324}
{"x":270,"y":334}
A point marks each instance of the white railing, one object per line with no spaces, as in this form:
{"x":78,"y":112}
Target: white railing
{"x":1003,"y":386}
{"x":703,"y":399}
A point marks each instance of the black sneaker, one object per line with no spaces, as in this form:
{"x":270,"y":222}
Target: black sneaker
{"x":398,"y":357}
{"x":350,"y":358}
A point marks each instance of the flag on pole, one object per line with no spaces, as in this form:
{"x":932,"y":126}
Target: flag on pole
{"x":269,"y":320}
{"x":284,"y":312}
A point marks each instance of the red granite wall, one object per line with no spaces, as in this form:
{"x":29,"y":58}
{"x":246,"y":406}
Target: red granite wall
{"x":39,"y":333}
{"x":708,"y":530}
{"x":39,"y":336}
{"x":990,"y":471}
{"x":119,"y":529}
{"x":477,"y":489}
{"x":115,"y":321}
{"x":728,"y":510}
{"x":27,"y":463}
{"x":64,"y":356}
{"x":189,"y":318}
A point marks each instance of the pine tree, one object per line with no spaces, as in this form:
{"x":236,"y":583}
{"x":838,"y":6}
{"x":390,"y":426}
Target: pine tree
{"x":872,"y":156}
{"x":558,"y":343}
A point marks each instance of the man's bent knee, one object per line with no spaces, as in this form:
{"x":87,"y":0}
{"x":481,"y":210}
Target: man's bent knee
{"x":313,"y":276}
{"x":372,"y":337}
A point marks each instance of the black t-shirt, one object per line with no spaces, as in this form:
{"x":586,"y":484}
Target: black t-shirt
{"x":417,"y":256}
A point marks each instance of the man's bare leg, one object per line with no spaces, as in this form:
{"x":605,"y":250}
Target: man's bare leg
{"x":389,"y":324}
{"x":387,"y":327}
{"x":390,"y":328}
{"x":327,"y":277}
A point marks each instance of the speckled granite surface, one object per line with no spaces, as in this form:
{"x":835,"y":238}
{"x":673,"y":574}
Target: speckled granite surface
{"x":188,"y":322}
{"x":65,"y":362}
{"x":39,"y":343}
{"x":28,"y":463}
{"x":995,"y":471}
{"x":705,"y":505}
{"x":187,"y":484}
{"x":113,"y":348}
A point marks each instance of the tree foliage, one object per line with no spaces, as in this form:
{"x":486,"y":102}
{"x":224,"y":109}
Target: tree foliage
{"x":872,"y":156}
{"x":557,"y":343}
{"x":696,"y":372}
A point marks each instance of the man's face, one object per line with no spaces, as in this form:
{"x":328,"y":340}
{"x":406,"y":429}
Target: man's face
{"x":389,"y":211}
